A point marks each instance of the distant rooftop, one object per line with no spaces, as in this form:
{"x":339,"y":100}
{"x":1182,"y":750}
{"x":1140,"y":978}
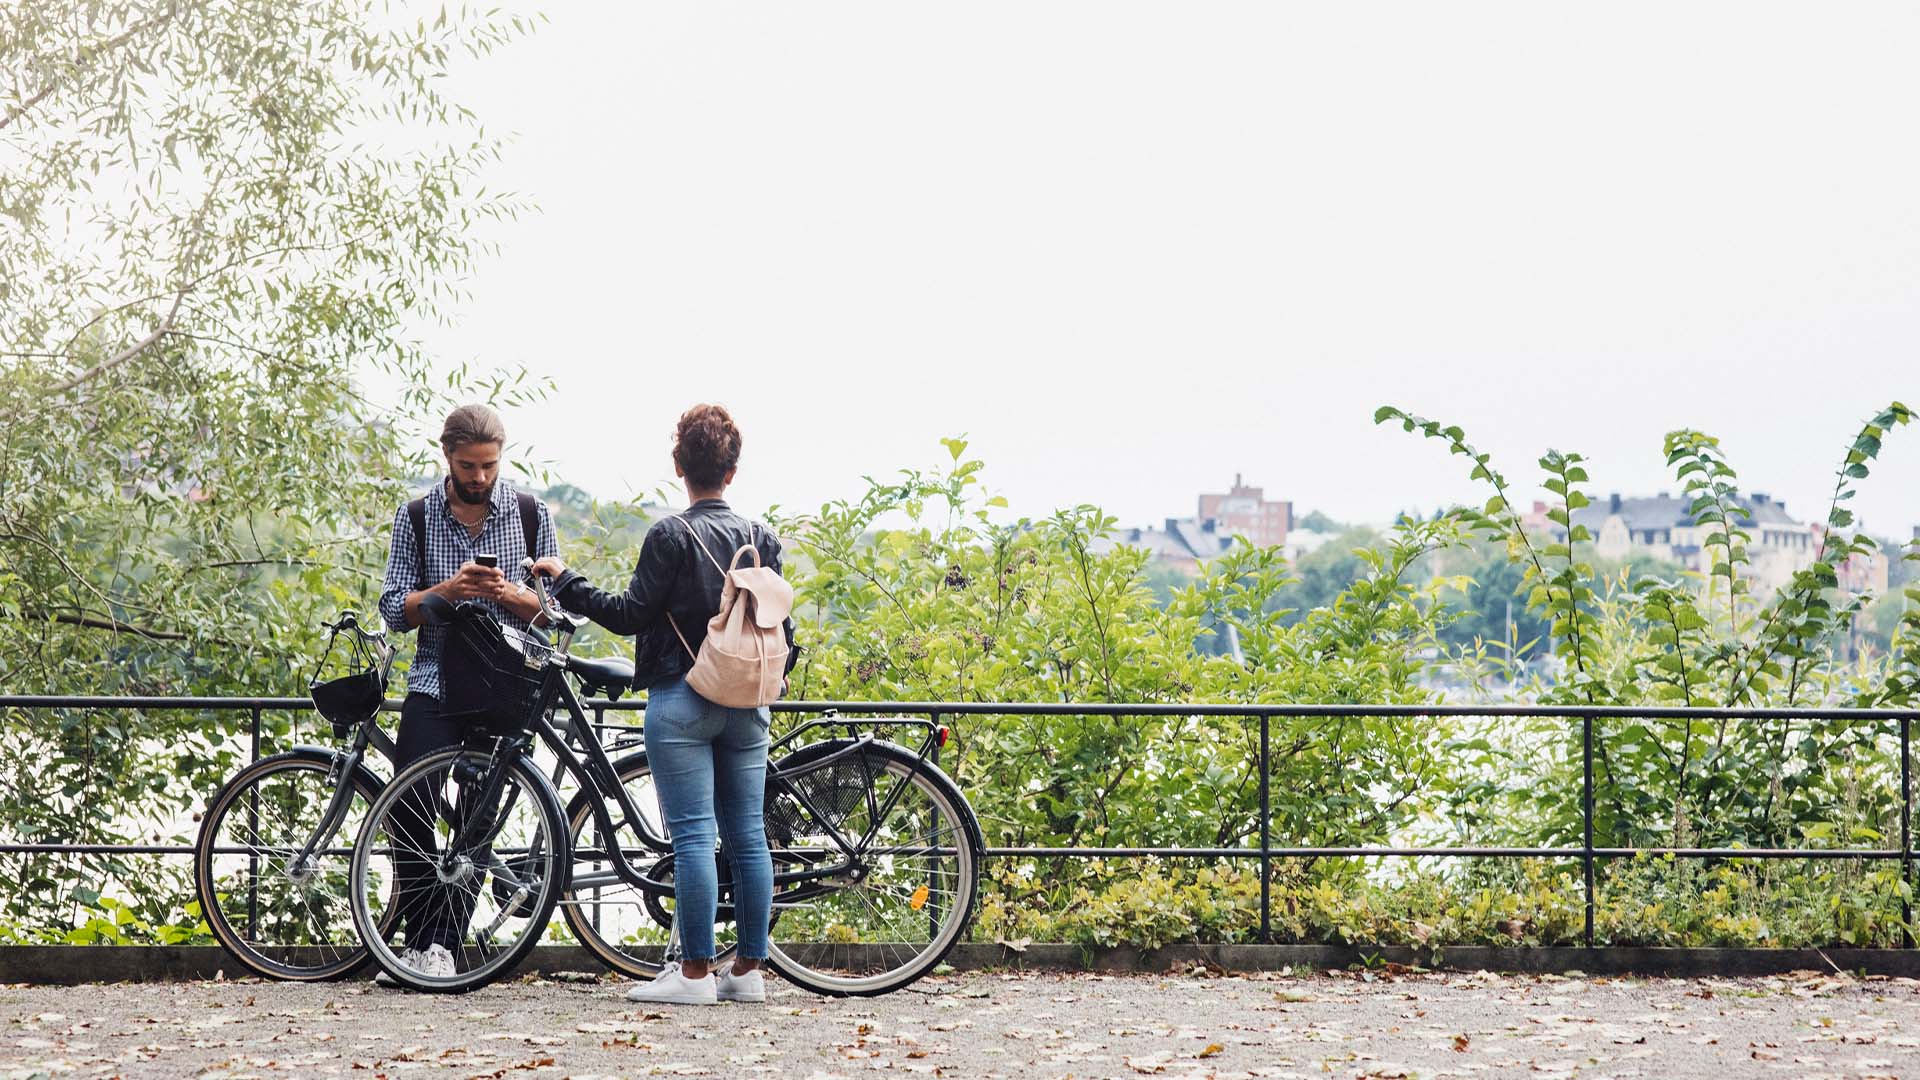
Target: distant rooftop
{"x":1665,"y":511}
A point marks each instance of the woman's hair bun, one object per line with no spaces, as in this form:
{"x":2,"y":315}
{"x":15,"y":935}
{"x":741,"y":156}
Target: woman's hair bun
{"x":706,"y":445}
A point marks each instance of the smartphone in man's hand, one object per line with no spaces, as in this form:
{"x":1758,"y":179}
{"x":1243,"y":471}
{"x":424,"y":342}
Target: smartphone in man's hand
{"x":487,"y":559}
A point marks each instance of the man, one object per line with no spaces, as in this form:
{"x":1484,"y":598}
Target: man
{"x":435,"y":537}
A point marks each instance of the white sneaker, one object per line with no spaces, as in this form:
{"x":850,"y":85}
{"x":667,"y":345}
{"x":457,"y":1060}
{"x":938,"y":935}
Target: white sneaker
{"x":437,"y":963}
{"x":670,"y":987}
{"x":434,"y":961}
{"x":747,"y":986}
{"x":410,"y":959}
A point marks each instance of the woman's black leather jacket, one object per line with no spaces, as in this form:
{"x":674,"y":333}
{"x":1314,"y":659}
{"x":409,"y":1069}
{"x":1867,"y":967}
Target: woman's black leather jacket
{"x":674,"y":576}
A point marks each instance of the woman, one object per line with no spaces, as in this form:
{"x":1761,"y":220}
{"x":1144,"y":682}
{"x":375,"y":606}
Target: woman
{"x":709,"y":762}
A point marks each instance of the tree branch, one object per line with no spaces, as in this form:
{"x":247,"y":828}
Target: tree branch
{"x":283,"y":561}
{"x":76,"y":575}
{"x":81,"y":57}
{"x":127,"y":353}
{"x":94,"y":622}
{"x":166,"y":325}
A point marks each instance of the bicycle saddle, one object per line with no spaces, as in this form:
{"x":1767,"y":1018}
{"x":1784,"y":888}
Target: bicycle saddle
{"x":610,"y":675}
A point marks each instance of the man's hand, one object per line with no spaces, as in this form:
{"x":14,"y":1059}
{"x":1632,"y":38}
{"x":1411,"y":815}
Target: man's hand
{"x":550,"y":566}
{"x":473,"y":581}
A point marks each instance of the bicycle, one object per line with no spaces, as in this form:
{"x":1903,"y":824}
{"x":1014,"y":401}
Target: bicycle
{"x":272,"y":855}
{"x":876,"y":852}
{"x":270,"y":880}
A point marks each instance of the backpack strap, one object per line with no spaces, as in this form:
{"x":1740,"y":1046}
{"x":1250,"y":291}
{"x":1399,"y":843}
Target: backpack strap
{"x":681,"y":518}
{"x":417,"y":516}
{"x":671,"y":621}
{"x":681,"y":636}
{"x":529,"y":520}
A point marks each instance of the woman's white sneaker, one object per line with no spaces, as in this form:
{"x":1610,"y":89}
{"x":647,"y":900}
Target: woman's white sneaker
{"x":670,"y":987}
{"x":748,"y":986}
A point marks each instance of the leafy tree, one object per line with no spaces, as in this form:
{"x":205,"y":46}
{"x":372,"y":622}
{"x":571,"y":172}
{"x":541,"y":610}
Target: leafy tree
{"x":1669,"y":640}
{"x":951,"y":606}
{"x":1316,"y":521}
{"x":219,"y":214}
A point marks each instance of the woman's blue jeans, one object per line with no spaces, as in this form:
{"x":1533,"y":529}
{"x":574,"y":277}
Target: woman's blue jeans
{"x":709,"y":766}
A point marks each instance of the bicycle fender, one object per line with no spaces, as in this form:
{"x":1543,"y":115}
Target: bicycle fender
{"x":906,"y":757}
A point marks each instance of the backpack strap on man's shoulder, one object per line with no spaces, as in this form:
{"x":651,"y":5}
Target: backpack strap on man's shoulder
{"x":417,"y":516}
{"x":529,"y":520}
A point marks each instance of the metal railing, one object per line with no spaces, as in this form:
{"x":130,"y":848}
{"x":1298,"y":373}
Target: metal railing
{"x":1263,"y":715}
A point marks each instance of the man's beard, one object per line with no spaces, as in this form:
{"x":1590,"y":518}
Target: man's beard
{"x":469,"y":496}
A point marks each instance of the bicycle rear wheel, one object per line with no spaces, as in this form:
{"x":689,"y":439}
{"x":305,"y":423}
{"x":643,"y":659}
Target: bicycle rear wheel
{"x":613,"y":919}
{"x":281,"y":916}
{"x":900,"y":899}
{"x":489,"y":904}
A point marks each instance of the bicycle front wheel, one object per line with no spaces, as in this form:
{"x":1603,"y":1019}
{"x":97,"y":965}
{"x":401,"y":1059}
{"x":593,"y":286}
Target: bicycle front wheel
{"x":488,"y":902}
{"x":879,"y":907}
{"x":273,"y":891}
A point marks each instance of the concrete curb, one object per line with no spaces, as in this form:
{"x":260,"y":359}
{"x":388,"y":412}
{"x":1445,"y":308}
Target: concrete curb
{"x":69,"y":965}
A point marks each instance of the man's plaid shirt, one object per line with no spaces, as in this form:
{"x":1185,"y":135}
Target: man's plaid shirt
{"x":449,"y":547}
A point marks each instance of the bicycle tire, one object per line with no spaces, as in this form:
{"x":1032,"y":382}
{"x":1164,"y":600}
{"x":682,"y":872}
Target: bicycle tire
{"x":888,"y":967}
{"x":585,"y":926}
{"x":550,"y":863}
{"x":343,"y":953}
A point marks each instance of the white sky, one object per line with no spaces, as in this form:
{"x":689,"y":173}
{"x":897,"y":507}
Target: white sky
{"x":1134,"y":248}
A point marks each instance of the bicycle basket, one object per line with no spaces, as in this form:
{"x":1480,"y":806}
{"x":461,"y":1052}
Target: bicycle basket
{"x":832,"y":794}
{"x":490,"y":674}
{"x":348,"y":688}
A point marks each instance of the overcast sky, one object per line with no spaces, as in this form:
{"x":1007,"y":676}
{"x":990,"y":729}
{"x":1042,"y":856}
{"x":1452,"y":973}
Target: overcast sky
{"x":1132,"y":249}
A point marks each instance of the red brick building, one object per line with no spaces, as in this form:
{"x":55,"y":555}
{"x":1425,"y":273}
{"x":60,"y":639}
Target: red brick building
{"x":1246,"y":511}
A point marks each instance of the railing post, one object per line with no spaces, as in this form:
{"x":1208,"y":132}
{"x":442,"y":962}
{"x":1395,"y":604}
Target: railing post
{"x":1586,"y":818}
{"x":933,"y":825}
{"x":1266,"y":832}
{"x":253,"y":833}
{"x":1906,"y":829}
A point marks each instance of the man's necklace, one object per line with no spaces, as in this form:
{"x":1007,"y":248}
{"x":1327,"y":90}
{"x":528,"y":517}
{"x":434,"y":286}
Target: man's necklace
{"x":473,"y":527}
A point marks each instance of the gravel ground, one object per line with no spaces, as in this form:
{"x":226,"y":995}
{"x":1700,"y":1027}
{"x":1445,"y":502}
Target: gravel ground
{"x":1388,"y":1024}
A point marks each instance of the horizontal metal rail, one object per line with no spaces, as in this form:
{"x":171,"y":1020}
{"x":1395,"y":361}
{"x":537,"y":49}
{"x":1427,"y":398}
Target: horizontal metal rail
{"x":1266,"y":851}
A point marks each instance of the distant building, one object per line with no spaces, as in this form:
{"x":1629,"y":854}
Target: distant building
{"x":1246,"y":511}
{"x":1662,"y":526}
{"x":1184,"y":543}
{"x":1189,"y":542}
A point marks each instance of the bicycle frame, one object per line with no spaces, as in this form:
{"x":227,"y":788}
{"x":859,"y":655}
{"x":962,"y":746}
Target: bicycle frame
{"x":345,"y":762}
{"x":595,"y":773}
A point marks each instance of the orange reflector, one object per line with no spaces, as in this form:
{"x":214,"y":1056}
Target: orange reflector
{"x":919,"y":898}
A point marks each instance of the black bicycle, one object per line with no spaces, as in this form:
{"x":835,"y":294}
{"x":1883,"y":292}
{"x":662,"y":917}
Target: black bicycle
{"x":876,"y":852}
{"x":272,"y":861}
{"x":270,"y":868}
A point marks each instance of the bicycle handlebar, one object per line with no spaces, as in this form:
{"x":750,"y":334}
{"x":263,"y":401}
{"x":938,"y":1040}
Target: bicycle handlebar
{"x":349,"y":620}
{"x":383,"y":650}
{"x":556,"y":615}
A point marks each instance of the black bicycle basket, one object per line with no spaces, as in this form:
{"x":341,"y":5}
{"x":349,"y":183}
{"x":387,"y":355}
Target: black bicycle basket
{"x":347,"y":688}
{"x":834,"y":792}
{"x":490,"y":676}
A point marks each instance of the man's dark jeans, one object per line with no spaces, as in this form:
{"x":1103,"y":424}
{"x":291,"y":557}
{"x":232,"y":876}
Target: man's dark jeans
{"x":430,"y":913}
